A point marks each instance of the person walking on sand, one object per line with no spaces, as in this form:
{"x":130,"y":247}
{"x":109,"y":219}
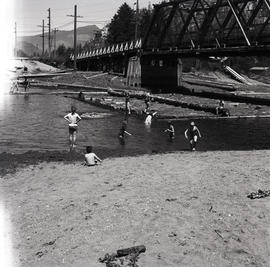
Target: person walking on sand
{"x":170,"y":130}
{"x":73,"y":118}
{"x":91,"y":159}
{"x":192,"y":133}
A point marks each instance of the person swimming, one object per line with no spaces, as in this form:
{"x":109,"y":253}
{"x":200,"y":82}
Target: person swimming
{"x":192,"y":134}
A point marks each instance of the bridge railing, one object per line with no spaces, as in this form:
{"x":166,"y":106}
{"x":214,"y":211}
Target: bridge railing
{"x":110,"y":50}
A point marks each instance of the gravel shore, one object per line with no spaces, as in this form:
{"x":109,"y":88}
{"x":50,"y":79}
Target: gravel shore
{"x":188,"y":209}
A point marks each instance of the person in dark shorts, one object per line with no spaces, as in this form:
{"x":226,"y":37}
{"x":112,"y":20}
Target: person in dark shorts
{"x":147,"y":102}
{"x":73,"y":118}
{"x":123,"y":130}
{"x":170,"y":130}
{"x":192,"y":134}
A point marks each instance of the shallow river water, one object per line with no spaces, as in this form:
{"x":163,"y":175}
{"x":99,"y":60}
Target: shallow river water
{"x":37,"y":123}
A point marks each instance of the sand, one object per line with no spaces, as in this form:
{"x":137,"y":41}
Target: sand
{"x":188,"y":209}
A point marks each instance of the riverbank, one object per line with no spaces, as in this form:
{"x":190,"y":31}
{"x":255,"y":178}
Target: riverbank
{"x":188,"y":209}
{"x":192,"y":101}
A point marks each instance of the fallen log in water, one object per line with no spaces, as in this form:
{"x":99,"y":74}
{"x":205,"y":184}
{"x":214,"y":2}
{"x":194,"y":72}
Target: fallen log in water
{"x":165,"y":100}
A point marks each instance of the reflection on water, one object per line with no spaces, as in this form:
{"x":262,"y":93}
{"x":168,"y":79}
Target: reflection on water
{"x":36,"y":123}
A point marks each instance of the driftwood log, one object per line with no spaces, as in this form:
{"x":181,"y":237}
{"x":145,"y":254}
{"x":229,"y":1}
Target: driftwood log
{"x":131,"y":250}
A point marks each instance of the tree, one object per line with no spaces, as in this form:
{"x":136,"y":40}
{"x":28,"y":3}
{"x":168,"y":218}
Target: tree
{"x":144,"y":21}
{"x":122,"y":26}
{"x":61,"y":50}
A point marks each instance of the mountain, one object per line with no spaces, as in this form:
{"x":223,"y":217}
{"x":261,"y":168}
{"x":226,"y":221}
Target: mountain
{"x":33,"y":44}
{"x":27,"y":49}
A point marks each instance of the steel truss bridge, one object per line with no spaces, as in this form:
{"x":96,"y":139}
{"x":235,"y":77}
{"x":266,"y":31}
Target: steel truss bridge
{"x":195,"y":28}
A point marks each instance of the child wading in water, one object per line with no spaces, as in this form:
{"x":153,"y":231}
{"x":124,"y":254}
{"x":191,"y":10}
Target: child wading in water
{"x":147,"y":102}
{"x":73,"y":118}
{"x":123,"y":130}
{"x":127,"y":102}
{"x":170,"y":130}
{"x":91,"y":159}
{"x":192,"y":134}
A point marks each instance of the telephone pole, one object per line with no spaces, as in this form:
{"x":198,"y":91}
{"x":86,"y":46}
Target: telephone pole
{"x":137,"y":20}
{"x":43,"y":36}
{"x":15,"y":45}
{"x":75,"y":16}
{"x":49,"y":31}
{"x":54,"y":36}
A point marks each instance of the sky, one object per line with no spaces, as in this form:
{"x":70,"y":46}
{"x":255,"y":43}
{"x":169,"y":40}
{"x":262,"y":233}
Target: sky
{"x":28,"y":14}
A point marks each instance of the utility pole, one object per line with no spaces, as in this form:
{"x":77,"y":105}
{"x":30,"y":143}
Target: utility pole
{"x":137,"y":20}
{"x":49,"y":31}
{"x":75,"y":16}
{"x":15,"y":45}
{"x":43,"y":36}
{"x":54,"y":36}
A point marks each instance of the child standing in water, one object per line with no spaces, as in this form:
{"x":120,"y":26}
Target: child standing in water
{"x":91,"y":159}
{"x":127,"y":101}
{"x":170,"y":130}
{"x":73,"y":118}
{"x":123,"y":130}
{"x":192,"y":134}
{"x":147,"y":102}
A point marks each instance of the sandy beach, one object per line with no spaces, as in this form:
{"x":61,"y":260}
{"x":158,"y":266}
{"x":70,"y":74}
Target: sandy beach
{"x":188,"y":209}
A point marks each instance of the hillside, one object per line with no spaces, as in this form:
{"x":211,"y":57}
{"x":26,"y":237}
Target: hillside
{"x":31,"y":44}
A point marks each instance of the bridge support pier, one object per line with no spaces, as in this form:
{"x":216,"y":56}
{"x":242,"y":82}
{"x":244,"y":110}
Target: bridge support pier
{"x":161,"y":72}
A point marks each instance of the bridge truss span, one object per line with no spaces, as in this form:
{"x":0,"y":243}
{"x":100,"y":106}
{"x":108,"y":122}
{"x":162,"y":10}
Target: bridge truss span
{"x":209,"y":24}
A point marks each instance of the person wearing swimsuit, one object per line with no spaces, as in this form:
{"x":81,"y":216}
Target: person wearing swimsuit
{"x":147,"y":102}
{"x":127,"y":102}
{"x":170,"y":130}
{"x":123,"y":130}
{"x":73,"y":118}
{"x":192,"y":134}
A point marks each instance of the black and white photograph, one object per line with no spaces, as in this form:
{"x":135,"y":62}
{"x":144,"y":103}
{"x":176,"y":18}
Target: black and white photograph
{"x":135,"y":133}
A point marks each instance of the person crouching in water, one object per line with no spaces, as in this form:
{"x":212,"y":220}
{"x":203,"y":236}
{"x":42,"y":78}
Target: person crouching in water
{"x":192,"y":134}
{"x":149,"y":117}
{"x":170,"y":130}
{"x":73,"y":118}
{"x":91,"y":159}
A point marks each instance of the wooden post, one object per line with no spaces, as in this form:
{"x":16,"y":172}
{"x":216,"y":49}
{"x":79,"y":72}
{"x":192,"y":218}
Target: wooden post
{"x":179,"y":72}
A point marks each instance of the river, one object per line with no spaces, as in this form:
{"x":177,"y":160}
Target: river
{"x":37,"y":123}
